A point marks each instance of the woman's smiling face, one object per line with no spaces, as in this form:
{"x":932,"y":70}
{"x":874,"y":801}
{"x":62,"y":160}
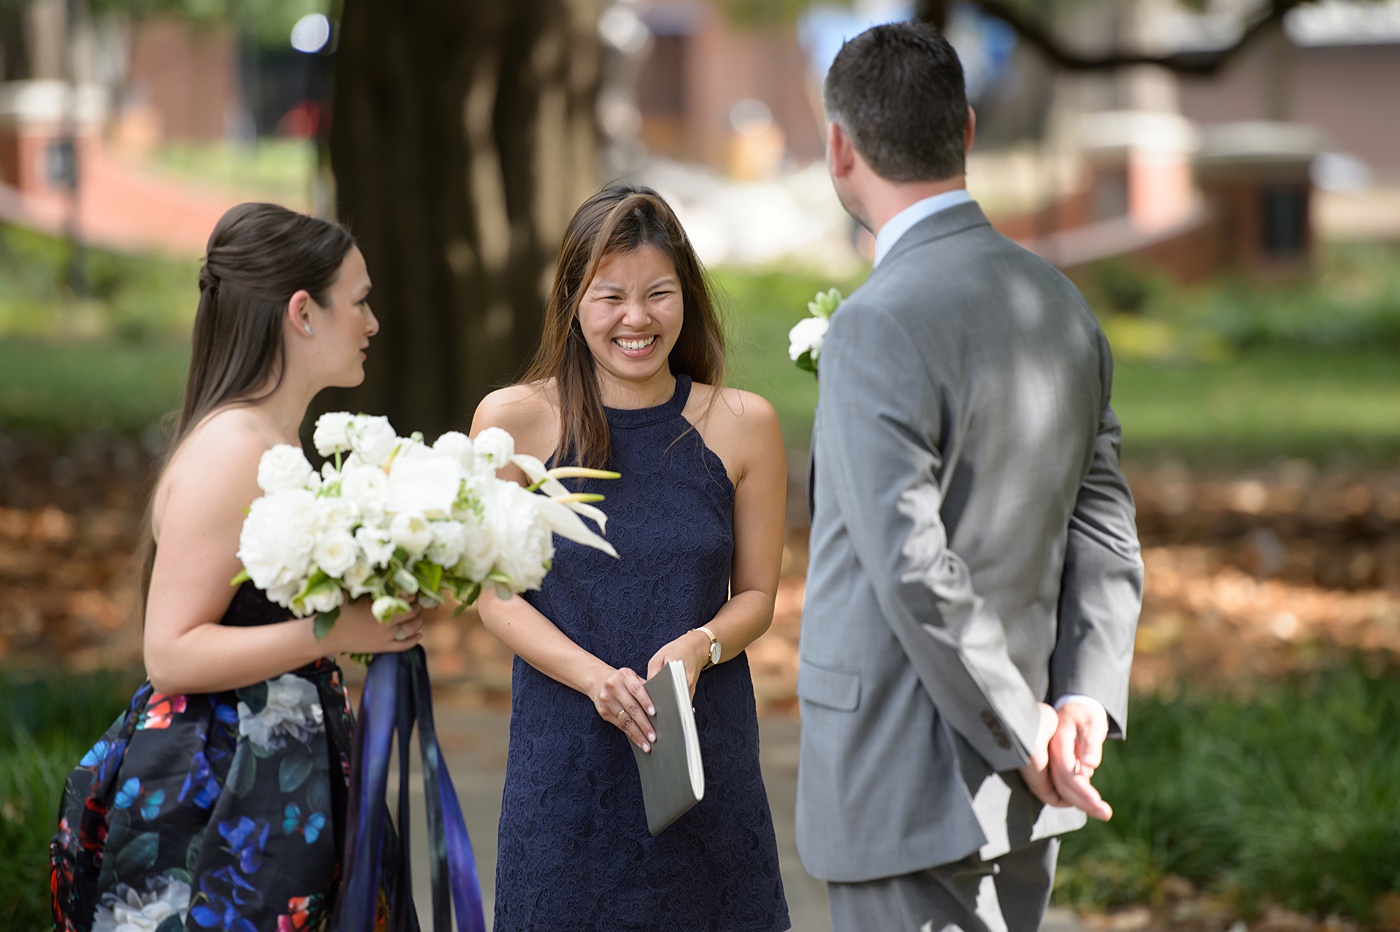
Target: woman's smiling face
{"x":631,"y":315}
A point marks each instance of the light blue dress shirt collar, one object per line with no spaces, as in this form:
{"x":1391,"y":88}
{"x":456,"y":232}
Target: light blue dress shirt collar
{"x":900,"y":223}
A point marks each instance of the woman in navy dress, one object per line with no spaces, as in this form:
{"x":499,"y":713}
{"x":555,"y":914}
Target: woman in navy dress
{"x":217,"y":801}
{"x":627,"y":377}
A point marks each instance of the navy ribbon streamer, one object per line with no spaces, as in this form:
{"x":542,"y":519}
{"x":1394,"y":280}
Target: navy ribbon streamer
{"x":397,"y":695}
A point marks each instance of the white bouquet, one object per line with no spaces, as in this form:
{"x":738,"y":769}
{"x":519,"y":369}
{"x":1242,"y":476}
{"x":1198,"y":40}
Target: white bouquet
{"x":389,"y":518}
{"x":805,"y":339}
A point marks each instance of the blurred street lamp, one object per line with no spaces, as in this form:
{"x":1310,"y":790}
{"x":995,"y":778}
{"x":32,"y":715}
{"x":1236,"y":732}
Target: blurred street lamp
{"x":314,"y":36}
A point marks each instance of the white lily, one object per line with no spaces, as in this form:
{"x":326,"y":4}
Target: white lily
{"x":547,"y":481}
{"x":560,"y":519}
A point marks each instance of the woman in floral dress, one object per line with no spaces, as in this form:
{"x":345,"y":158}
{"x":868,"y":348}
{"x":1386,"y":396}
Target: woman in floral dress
{"x":217,"y":800}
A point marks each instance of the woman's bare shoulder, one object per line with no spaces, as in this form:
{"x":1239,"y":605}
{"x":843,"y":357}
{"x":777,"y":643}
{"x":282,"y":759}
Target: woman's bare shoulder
{"x":516,"y":406}
{"x":732,"y":408}
{"x":529,"y":412}
{"x":217,"y":460}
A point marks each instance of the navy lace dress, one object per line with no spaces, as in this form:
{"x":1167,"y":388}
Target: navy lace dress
{"x":210,"y":811}
{"x":574,"y":853}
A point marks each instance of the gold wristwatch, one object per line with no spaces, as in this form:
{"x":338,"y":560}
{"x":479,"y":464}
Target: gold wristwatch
{"x":715,"y":650}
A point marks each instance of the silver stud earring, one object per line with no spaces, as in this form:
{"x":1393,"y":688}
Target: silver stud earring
{"x":308,"y":330}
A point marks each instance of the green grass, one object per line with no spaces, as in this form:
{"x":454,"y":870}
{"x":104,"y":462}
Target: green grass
{"x":1229,"y":409}
{"x":45,"y":727}
{"x":277,"y":170}
{"x":1181,"y":391}
{"x":761,"y":307}
{"x":1264,"y":404}
{"x":68,"y":388}
{"x":1290,"y":798}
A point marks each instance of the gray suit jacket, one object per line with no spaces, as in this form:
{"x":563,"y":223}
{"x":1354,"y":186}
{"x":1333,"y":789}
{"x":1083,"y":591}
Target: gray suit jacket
{"x":973,"y":552}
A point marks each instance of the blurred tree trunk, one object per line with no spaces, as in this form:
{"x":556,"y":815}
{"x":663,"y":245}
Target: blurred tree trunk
{"x":463,"y":138}
{"x":14,"y":44}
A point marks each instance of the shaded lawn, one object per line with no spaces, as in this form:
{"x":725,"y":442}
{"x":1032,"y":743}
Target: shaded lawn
{"x":1263,"y":404}
{"x":67,"y":388}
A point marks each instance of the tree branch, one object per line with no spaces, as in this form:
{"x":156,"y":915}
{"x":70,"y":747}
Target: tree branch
{"x":1038,"y":35}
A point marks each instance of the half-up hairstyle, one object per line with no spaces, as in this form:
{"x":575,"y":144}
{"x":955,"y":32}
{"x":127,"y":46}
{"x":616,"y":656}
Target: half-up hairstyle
{"x":618,"y":220}
{"x":258,"y":256}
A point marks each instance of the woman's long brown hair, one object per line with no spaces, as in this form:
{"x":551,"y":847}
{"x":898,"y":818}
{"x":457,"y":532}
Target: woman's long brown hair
{"x":258,"y":256}
{"x":618,"y":219}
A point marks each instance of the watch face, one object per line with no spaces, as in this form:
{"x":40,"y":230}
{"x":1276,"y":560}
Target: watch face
{"x":714,"y":652}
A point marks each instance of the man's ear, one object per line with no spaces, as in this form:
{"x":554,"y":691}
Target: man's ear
{"x":299,"y":312}
{"x":840,"y":152}
{"x":971,"y":129}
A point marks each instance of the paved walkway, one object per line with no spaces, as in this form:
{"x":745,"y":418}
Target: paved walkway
{"x":474,"y":745}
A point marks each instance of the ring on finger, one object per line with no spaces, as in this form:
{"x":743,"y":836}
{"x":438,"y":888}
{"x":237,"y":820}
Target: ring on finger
{"x":401,"y":634}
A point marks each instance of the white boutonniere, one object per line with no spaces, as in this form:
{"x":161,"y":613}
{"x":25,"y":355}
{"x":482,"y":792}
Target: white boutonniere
{"x":805,"y":339}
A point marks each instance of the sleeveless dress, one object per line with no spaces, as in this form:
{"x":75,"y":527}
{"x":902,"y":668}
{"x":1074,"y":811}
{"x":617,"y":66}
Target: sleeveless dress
{"x":574,"y":853}
{"x":210,"y":811}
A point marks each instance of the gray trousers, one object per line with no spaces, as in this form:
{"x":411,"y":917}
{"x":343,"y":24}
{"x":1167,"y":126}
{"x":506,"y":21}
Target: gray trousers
{"x":1006,"y":894}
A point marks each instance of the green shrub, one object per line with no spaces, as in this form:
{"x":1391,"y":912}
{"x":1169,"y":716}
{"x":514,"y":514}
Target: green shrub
{"x":1288,"y":798}
{"x":45,"y":727}
{"x":48,"y":290}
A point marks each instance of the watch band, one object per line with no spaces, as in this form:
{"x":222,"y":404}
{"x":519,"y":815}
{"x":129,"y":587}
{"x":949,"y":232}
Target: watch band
{"x":714,"y":642}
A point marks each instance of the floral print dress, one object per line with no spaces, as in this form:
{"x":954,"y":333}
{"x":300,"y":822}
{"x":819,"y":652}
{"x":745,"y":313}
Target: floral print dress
{"x":220,"y":811}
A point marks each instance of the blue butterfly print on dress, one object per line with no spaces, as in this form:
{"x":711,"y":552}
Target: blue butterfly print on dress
{"x":310,"y":828}
{"x":130,"y":795}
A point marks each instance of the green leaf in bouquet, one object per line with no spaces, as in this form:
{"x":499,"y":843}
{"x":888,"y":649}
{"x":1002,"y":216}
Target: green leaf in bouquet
{"x":805,"y":363}
{"x":429,"y":576}
{"x":467,"y":592}
{"x":325,"y":621}
{"x":240,"y":579}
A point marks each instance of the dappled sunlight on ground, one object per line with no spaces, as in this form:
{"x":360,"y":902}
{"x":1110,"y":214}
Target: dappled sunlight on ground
{"x":1247,"y":575}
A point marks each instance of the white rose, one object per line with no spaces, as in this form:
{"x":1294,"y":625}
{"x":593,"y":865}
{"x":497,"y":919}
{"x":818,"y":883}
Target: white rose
{"x":478,"y":551}
{"x":338,"y":514}
{"x":366,"y":487}
{"x":127,"y":910}
{"x":284,"y":594}
{"x":292,"y":711}
{"x":449,"y":542}
{"x":356,"y":578}
{"x":277,"y":538}
{"x":324,"y":599}
{"x":524,"y":545}
{"x":372,"y":439}
{"x":493,"y":449}
{"x":458,"y":445}
{"x":425,"y":482}
{"x":336,"y":552}
{"x":282,"y":468}
{"x":332,"y":432}
{"x":412,"y":532}
{"x":378,"y":547}
{"x":807,"y":337}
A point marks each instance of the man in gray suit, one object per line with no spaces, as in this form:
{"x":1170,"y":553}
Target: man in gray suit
{"x":975,"y":578}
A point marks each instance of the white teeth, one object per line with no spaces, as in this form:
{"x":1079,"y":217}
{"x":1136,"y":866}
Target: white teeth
{"x":636,"y":344}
